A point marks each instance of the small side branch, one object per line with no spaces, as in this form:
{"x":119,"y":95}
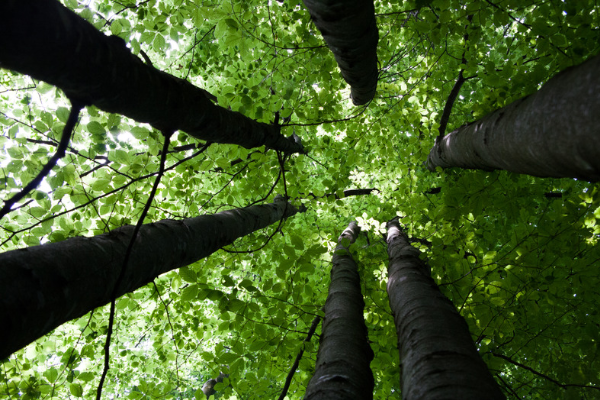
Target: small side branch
{"x":60,"y":153}
{"x":449,"y":104}
{"x":533,"y":371}
{"x":453,"y":93}
{"x":111,"y":320}
{"x":288,"y":380}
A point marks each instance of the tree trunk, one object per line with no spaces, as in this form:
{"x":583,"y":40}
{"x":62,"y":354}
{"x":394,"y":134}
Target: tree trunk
{"x":44,"y":286}
{"x":342,"y":370}
{"x":350,"y":31}
{"x":45,"y":40}
{"x":551,"y":133}
{"x":209,"y":386}
{"x":437,"y":355}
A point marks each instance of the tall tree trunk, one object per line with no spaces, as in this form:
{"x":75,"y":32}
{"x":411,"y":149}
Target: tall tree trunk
{"x":551,"y":133}
{"x":350,"y":31}
{"x":343,"y":368}
{"x":437,"y":355}
{"x":45,"y":40}
{"x":44,"y":286}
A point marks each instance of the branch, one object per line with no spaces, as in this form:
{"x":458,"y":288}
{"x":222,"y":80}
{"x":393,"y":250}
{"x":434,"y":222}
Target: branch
{"x":120,"y":188}
{"x":533,"y":371}
{"x":60,"y":153}
{"x":453,"y":93}
{"x":111,"y":320}
{"x":288,"y":380}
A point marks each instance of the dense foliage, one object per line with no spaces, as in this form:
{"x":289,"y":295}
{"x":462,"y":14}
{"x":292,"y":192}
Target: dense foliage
{"x":517,"y":255}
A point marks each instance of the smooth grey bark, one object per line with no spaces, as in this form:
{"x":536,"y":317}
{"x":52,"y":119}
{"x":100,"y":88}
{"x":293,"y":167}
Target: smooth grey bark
{"x":349,"y":29}
{"x":343,"y":367}
{"x":437,"y":355}
{"x":209,"y":386}
{"x":42,"y":287}
{"x":45,"y":40}
{"x":554,"y":132}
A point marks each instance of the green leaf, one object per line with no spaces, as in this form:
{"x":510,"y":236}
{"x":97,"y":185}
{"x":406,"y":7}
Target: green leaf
{"x":189,"y":293}
{"x":86,"y":376}
{"x":188,"y":275}
{"x":76,"y":389}
{"x":297,"y":242}
{"x":51,"y":374}
{"x":96,"y":128}
{"x":100,"y":184}
{"x":159,"y":43}
{"x":115,"y":27}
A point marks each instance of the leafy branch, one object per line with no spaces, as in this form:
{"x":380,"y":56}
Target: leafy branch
{"x":76,"y":107}
{"x":541,"y":375}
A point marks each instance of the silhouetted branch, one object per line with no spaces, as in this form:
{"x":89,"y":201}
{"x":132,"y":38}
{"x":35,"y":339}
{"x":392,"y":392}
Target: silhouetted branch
{"x":60,"y":153}
{"x":533,"y":371}
{"x":115,"y":289}
{"x":288,"y":380}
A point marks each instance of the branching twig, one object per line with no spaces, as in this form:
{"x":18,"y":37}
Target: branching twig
{"x":288,"y":380}
{"x":533,"y":371}
{"x":453,"y":93}
{"x":120,"y":188}
{"x":76,"y":107}
{"x":137,"y":228}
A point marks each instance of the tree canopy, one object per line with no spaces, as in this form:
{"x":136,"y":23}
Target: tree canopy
{"x":517,"y":255}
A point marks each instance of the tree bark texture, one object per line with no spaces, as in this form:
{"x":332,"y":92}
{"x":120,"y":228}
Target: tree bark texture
{"x":554,"y":132}
{"x":437,"y":355}
{"x":45,"y":40}
{"x":42,"y":287}
{"x":343,"y":368}
{"x":350,"y":31}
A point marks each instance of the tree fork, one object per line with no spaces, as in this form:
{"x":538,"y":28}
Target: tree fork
{"x":343,"y":367}
{"x":45,"y":286}
{"x":437,"y":354}
{"x":551,"y":133}
{"x":47,"y":41}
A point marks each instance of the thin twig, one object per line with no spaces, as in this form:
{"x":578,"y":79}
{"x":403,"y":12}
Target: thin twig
{"x":533,"y":371}
{"x":60,"y":153}
{"x":453,"y":93}
{"x":288,"y":380}
{"x":137,"y":228}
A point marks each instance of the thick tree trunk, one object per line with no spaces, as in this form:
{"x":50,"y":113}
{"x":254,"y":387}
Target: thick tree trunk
{"x":44,"y":286}
{"x":350,"y":31}
{"x":343,"y":368}
{"x":45,"y":40}
{"x":554,"y":132}
{"x":437,"y":355}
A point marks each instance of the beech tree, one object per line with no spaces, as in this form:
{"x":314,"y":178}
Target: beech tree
{"x":45,"y":286}
{"x":350,"y":31}
{"x":100,"y":70}
{"x":516,"y":255}
{"x":342,"y":368}
{"x":553,"y":132}
{"x":438,"y":357}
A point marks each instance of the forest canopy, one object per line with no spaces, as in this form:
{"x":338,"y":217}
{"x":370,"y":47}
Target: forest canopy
{"x":517,"y":255}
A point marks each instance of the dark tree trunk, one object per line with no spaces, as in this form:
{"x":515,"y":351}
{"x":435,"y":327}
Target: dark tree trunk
{"x":209,"y":386}
{"x":437,"y":355}
{"x":44,"y":286}
{"x":551,"y":133}
{"x":343,"y":368}
{"x":45,"y":40}
{"x":350,"y":31}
